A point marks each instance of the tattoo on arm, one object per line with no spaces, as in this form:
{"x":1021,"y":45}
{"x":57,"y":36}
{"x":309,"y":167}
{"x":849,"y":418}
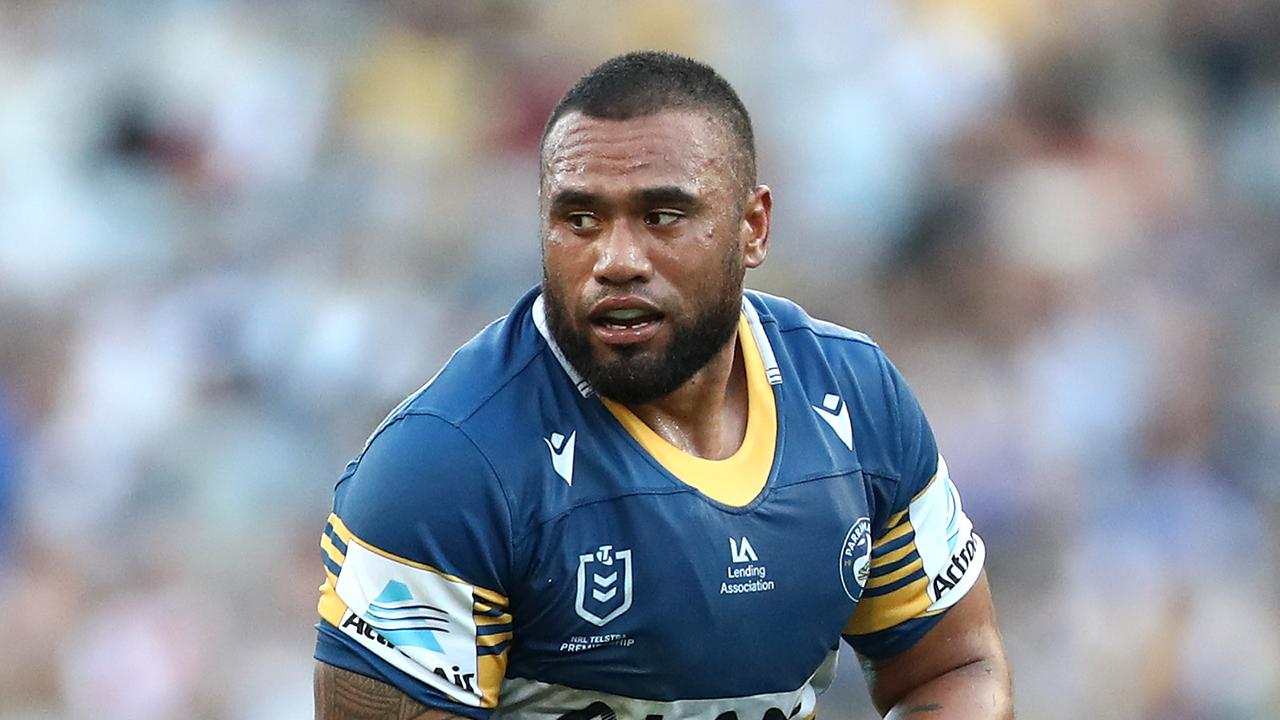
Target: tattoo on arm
{"x":922,"y":709}
{"x":343,"y":695}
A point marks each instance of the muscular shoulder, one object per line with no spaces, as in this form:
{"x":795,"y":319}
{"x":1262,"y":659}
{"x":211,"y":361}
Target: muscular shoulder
{"x":812,"y":345}
{"x":790,"y":317}
{"x":481,"y":372}
{"x":477,"y":436}
{"x":843,"y":370}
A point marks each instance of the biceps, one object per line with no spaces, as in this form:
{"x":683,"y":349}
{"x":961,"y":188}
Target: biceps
{"x":344,"y":695}
{"x":966,"y":635}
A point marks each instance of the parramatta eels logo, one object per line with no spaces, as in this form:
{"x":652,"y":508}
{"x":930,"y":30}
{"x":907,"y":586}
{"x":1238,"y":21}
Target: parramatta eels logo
{"x":855,"y":558}
{"x":604,"y":585}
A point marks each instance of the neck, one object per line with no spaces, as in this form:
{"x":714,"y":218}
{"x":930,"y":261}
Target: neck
{"x":707,"y":416}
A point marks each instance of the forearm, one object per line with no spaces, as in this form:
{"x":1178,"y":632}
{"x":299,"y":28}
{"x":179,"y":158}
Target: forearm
{"x":343,"y":695}
{"x":976,"y":691}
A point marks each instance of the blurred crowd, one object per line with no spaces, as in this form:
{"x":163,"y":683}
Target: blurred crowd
{"x":234,"y":234}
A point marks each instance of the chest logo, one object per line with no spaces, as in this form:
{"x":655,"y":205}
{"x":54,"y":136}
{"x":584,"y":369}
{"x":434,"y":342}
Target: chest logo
{"x":855,"y":558}
{"x":562,"y":454}
{"x":604,"y":585}
{"x":742,"y":552}
{"x":835,"y":413}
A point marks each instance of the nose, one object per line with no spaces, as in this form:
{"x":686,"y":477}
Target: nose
{"x":621,"y":257}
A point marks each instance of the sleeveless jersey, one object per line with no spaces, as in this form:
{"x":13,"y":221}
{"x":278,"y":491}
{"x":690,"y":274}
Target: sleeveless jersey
{"x":509,"y":544}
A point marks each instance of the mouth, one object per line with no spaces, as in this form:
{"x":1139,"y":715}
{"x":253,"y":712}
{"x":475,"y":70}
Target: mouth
{"x":625,"y":321}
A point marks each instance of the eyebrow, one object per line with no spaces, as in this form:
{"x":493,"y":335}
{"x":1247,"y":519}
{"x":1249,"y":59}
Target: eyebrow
{"x":663,"y":195}
{"x":668,"y":195}
{"x":566,"y":199}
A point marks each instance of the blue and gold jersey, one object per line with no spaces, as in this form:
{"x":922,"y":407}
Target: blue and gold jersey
{"x":508,"y":544}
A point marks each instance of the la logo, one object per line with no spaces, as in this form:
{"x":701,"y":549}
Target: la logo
{"x":742,"y":551}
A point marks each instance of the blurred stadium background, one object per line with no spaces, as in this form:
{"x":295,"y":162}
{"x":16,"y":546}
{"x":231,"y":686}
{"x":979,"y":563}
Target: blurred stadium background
{"x":234,"y":234}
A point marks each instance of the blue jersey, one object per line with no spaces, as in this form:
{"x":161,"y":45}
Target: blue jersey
{"x":510,"y":544}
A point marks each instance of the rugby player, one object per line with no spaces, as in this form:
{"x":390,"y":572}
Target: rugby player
{"x":647,"y":493}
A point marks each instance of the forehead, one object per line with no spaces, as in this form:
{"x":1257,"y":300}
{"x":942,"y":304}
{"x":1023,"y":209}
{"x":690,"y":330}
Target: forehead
{"x":672,"y":147}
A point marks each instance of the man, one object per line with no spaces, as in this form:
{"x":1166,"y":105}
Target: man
{"x":646,"y":493}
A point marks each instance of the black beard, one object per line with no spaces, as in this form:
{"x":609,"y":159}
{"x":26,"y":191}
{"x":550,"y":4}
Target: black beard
{"x":641,"y":377}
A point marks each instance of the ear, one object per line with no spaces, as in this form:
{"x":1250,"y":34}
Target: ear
{"x":755,"y":226}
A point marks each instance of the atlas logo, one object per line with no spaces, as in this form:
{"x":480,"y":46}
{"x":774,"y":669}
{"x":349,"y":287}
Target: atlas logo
{"x":855,"y":558}
{"x":604,"y":585}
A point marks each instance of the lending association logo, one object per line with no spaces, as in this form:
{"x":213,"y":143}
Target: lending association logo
{"x":604,"y":585}
{"x":855,"y":558}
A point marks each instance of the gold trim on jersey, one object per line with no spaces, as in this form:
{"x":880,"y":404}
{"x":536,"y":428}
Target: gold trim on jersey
{"x":331,"y":607}
{"x":881,"y":612}
{"x":893,"y":577}
{"x":489,"y":609}
{"x":739,"y":478}
{"x":491,"y":669}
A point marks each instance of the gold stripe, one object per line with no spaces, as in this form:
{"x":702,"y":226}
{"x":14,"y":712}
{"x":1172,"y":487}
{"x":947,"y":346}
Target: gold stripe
{"x":332,"y":550}
{"x":894,"y":534}
{"x":487,"y":595}
{"x":896,"y":518}
{"x":340,"y":528}
{"x":491,"y":669}
{"x":486,"y":607}
{"x":491,"y":640}
{"x":348,"y":537}
{"x":485,"y":620}
{"x":874,"y":614}
{"x":896,"y":575}
{"x":331,"y":607}
{"x":893,"y":556}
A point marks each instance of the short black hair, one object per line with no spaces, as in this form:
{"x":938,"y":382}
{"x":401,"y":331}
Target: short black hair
{"x":646,"y":82}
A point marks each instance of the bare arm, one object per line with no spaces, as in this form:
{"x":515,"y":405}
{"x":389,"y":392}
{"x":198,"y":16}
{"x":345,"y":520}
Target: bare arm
{"x":957,"y":671}
{"x":344,"y":695}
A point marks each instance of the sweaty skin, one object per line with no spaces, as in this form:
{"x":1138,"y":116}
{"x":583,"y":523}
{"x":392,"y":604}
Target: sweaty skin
{"x":649,"y":208}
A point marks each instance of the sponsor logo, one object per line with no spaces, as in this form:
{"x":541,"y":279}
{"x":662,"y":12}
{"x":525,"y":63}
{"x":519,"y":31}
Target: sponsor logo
{"x":405,"y":621}
{"x":417,"y":620}
{"x":578,"y":643}
{"x":855,"y":558}
{"x":562,"y":454}
{"x":356,"y":625}
{"x":748,"y":576}
{"x":835,"y":413}
{"x":954,"y":573}
{"x":742,"y":552}
{"x":604,"y":585}
{"x":951,"y":553}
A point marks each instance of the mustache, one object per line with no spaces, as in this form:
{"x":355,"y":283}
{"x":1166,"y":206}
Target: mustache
{"x":628,"y":291}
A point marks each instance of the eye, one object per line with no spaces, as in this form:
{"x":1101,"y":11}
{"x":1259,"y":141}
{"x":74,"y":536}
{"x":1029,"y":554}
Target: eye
{"x":583,"y":221}
{"x":662,"y":217}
